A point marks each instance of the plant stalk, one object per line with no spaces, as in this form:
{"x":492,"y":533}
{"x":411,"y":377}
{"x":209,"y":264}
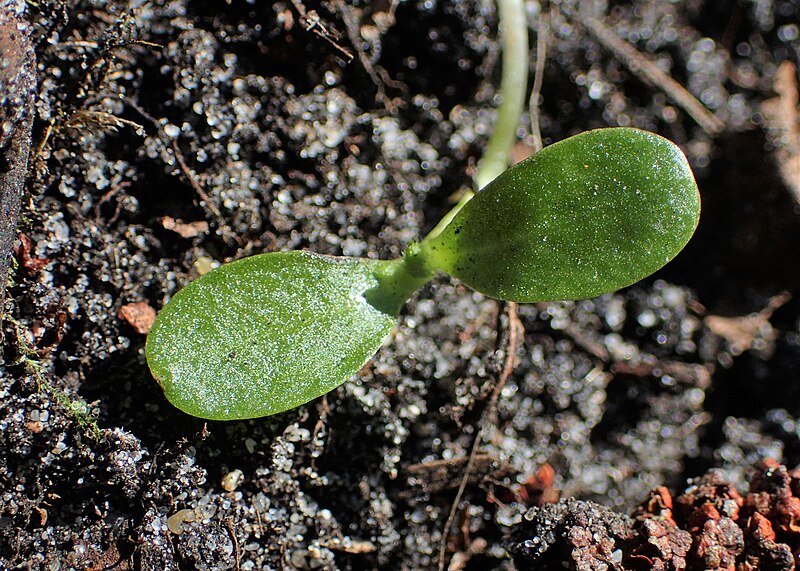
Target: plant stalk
{"x":513,"y":88}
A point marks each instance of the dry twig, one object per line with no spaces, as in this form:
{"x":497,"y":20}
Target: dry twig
{"x":232,"y":533}
{"x":312,"y":22}
{"x":542,"y":37}
{"x":378,"y":75}
{"x":515,"y":331}
{"x":651,"y":75}
{"x":225,"y":230}
{"x":782,"y":119}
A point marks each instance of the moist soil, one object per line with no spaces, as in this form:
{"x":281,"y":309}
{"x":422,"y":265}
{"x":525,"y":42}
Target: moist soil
{"x":652,"y":428}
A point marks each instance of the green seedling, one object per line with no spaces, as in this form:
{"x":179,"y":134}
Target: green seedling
{"x":585,"y":216}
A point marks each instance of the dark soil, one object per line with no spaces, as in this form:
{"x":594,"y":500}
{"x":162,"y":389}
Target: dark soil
{"x":175,"y":134}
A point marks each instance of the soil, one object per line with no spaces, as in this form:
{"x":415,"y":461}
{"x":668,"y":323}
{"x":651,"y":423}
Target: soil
{"x":172,"y":135}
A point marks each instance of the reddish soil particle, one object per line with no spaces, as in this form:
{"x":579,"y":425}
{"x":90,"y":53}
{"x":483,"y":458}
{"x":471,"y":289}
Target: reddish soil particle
{"x":139,"y":315}
{"x":708,"y":527}
{"x":658,"y":542}
{"x":569,"y":534}
{"x":718,"y":545}
{"x":539,"y":489}
{"x":28,"y":264}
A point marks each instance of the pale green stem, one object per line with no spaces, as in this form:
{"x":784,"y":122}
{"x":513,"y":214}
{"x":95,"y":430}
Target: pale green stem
{"x":513,"y":86}
{"x":447,"y":218}
{"x":398,"y":279}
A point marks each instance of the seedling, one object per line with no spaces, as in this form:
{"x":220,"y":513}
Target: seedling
{"x":585,"y":216}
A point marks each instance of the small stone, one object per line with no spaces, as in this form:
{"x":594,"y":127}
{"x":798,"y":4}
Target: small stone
{"x":175,"y":521}
{"x":139,"y":315}
{"x":231,"y":480}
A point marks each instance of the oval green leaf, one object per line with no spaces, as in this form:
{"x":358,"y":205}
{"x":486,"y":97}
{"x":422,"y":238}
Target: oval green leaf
{"x":585,"y":216}
{"x":271,"y":332}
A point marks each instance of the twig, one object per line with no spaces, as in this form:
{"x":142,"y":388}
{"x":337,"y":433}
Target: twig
{"x":353,"y":35}
{"x":224,"y":229}
{"x":91,"y":45}
{"x":101,"y":120}
{"x":542,"y":37}
{"x":232,"y":533}
{"x":48,"y":129}
{"x":651,"y":75}
{"x":320,"y":430}
{"x":515,"y":329}
{"x":513,"y":86}
{"x":312,"y":22}
{"x":18,"y":78}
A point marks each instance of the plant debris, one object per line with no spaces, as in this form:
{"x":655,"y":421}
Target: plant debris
{"x":782,"y":119}
{"x":709,"y":526}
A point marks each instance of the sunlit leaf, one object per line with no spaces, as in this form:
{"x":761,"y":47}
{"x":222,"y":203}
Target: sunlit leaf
{"x":585,"y":216}
{"x":268,"y":333}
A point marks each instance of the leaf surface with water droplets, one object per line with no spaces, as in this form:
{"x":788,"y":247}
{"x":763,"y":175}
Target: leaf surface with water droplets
{"x":268,"y":333}
{"x":585,"y":216}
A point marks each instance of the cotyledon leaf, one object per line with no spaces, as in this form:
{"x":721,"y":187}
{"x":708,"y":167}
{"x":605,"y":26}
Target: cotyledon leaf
{"x":271,"y":332}
{"x":584,"y":216}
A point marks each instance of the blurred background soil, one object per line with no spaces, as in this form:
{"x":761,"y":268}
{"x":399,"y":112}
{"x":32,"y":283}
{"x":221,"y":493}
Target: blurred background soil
{"x":170,"y":136}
